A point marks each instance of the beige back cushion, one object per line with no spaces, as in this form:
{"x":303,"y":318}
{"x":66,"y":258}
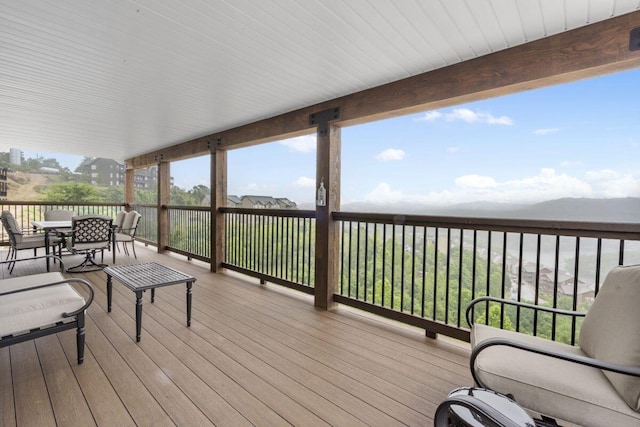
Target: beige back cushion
{"x":58,"y":215}
{"x":610,"y":329}
{"x":130,"y":222}
{"x":119,"y":219}
{"x":11,"y":220}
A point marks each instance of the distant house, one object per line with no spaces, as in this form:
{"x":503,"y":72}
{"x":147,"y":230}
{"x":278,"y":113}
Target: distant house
{"x":109,"y":172}
{"x":547,"y":280}
{"x":585,"y":292}
{"x":45,"y":169}
{"x":254,"y":202}
{"x":284,"y":203}
{"x":146,"y":178}
{"x":234,"y":201}
{"x":259,"y":202}
{"x":102,"y":172}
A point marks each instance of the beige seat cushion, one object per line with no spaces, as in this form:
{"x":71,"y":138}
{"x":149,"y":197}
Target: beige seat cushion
{"x":556,"y":388}
{"x":38,"y":308}
{"x":122,"y":237}
{"x":610,"y":329}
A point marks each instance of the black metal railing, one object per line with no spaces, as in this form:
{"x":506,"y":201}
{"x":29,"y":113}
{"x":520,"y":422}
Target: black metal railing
{"x":190,"y":231}
{"x":274,"y":245}
{"x":421,"y":270}
{"x":425,"y":270}
{"x":147,"y":230}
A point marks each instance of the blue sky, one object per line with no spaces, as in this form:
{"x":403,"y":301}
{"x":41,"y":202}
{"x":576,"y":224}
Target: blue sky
{"x":573,"y":140}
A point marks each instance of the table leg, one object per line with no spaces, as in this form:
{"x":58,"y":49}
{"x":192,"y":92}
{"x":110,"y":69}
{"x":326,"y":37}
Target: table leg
{"x":109,"y":293}
{"x":189,"y":286}
{"x":46,"y":247}
{"x":138,"y":315}
{"x":153,"y":295}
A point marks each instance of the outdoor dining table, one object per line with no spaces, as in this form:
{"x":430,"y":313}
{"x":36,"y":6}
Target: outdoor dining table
{"x":47,"y":226}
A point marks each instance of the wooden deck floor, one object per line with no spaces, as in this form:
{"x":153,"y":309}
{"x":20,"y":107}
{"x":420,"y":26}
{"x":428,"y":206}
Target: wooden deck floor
{"x":254,"y":355}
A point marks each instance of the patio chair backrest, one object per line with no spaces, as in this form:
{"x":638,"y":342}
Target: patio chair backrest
{"x":7,"y":228}
{"x":119,"y":220}
{"x":130,"y":223}
{"x":10,"y":224}
{"x":58,"y":215}
{"x":91,"y":229}
{"x":610,"y":329}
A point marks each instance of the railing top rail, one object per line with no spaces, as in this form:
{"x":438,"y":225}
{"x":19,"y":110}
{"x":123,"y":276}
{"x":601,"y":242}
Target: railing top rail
{"x":39,"y":203}
{"x":295,"y":213}
{"x":619,"y":230}
{"x":184,"y":208}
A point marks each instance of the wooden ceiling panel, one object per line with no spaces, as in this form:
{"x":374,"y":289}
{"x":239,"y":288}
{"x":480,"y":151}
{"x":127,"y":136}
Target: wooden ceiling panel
{"x":126,"y":77}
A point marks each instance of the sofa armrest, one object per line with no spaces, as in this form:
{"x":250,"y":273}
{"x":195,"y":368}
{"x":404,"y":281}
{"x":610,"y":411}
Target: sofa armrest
{"x":573,"y":358}
{"x":82,"y":282}
{"x":470,"y":321}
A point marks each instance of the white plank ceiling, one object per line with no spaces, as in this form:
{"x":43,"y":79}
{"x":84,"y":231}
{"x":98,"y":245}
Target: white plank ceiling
{"x":121,"y":78}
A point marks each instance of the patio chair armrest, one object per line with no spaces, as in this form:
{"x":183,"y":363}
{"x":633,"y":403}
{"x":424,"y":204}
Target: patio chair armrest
{"x":51,"y":257}
{"x":30,"y":232}
{"x":574,"y":358}
{"x":82,"y":282}
{"x":470,"y":321}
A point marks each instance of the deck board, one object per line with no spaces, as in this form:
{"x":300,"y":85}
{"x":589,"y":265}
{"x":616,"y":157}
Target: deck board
{"x":254,"y":355}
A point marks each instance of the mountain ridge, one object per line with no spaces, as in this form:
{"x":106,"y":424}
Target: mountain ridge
{"x":621,"y":209}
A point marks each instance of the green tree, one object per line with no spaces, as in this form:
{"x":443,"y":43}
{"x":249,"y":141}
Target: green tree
{"x":145,"y":197}
{"x":71,"y":192}
{"x":199,"y":192}
{"x":113,"y":194}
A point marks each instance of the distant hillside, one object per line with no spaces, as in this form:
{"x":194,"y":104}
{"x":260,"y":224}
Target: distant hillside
{"x":608,"y":210}
{"x":568,"y":209}
{"x":28,"y":186}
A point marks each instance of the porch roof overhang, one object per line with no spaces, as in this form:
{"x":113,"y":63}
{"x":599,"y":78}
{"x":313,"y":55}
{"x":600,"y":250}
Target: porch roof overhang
{"x":147,"y":81}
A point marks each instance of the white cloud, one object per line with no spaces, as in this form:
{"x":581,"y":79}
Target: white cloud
{"x":475,"y":181}
{"x":301,"y":144}
{"x":390,"y":154}
{"x":467,"y":116}
{"x":383,"y":194}
{"x":608,"y":183}
{"x":546,"y":131}
{"x":602,"y":175}
{"x":259,"y":189}
{"x":502,"y":120}
{"x":430,"y":116}
{"x":454,"y":149}
{"x":463,"y":114}
{"x":305,"y":182}
{"x":548,"y":184}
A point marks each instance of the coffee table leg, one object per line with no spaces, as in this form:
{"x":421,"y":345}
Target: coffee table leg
{"x":189,"y":286}
{"x":138,"y":315}
{"x":109,"y":291}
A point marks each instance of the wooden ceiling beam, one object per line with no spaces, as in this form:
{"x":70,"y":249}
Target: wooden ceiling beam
{"x":589,"y":51}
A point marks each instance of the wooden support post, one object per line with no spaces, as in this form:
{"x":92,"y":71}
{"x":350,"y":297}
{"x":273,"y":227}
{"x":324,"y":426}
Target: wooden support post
{"x":164,"y":199}
{"x":129,"y":188}
{"x":327,"y":232}
{"x":218,"y":200}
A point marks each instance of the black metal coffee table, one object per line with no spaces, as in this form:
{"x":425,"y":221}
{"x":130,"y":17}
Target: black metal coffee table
{"x":140,"y":277}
